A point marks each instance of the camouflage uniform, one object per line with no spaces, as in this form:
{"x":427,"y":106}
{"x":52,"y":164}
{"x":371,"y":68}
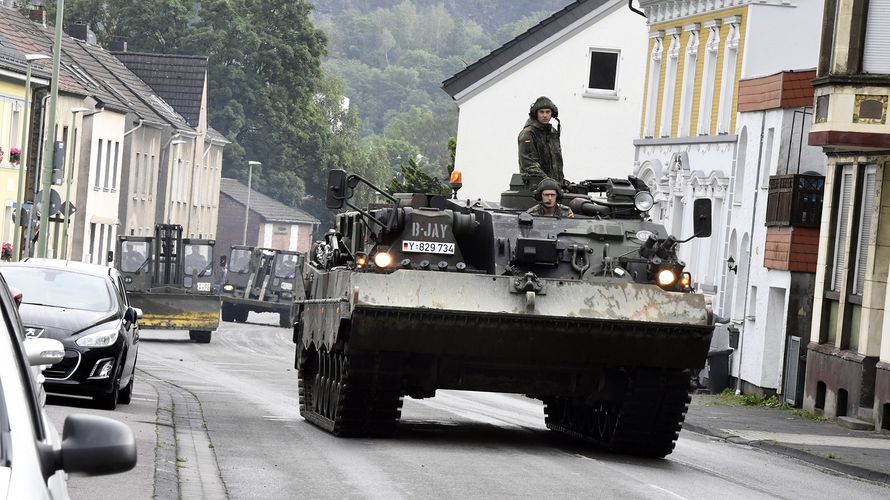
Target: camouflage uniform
{"x":540,"y":153}
{"x":561,"y":210}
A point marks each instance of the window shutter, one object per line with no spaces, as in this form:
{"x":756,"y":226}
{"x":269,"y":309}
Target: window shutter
{"x":865,"y":223}
{"x":876,"y":56}
{"x":840,"y":240}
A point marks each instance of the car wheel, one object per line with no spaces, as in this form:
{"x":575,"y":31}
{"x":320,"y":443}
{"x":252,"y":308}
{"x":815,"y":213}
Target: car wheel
{"x":200,"y":336}
{"x":109,"y":401}
{"x":285,"y":320}
{"x":228,"y":313}
{"x":241,"y":314}
{"x":126,"y":394}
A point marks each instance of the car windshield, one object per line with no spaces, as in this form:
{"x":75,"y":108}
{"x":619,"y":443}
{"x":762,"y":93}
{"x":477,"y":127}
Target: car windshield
{"x":59,"y":288}
{"x":285,"y":265}
{"x":197,"y":260}
{"x":134,"y":256}
{"x":239,"y":261}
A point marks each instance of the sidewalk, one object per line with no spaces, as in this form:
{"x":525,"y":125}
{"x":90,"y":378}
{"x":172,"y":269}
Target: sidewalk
{"x":863,"y":454}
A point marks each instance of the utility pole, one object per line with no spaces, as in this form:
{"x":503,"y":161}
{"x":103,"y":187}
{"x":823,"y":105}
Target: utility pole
{"x":48,"y":149}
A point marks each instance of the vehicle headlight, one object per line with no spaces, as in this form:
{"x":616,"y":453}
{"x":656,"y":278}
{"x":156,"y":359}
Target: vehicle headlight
{"x":643,"y":200}
{"x":228,"y":288}
{"x":666,"y":277}
{"x":287,"y":286}
{"x":99,"y":339}
{"x":382,"y":259}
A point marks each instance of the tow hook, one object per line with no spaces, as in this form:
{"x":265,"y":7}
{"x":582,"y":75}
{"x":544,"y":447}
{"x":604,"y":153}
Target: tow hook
{"x":583,"y":263}
{"x":531,"y":285}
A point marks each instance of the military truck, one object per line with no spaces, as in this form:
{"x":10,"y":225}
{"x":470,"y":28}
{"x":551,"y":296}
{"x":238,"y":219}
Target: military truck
{"x":172,"y":279}
{"x":261,"y":280}
{"x":594,"y":315}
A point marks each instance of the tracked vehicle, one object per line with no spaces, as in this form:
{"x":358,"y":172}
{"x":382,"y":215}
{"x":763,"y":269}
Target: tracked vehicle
{"x":172,"y":279}
{"x":594,"y":315}
{"x":261,"y":280}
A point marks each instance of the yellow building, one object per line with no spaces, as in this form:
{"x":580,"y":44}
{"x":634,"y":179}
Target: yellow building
{"x":11,"y":107}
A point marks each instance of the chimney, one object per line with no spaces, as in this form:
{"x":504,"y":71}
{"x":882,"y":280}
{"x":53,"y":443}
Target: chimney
{"x":117,"y":45}
{"x":81,"y":32}
{"x":38,"y":15}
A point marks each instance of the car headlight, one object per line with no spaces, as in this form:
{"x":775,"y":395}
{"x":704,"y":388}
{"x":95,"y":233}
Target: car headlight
{"x":99,"y":339}
{"x":287,"y":286}
{"x":643,"y":201}
{"x":228,"y":288}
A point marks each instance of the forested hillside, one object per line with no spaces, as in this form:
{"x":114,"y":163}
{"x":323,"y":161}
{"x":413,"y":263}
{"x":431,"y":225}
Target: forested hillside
{"x":392,"y":56}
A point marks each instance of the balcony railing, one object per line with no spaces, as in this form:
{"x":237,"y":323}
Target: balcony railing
{"x":795,"y":200}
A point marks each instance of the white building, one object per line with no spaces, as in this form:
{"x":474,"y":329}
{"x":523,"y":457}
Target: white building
{"x":589,"y":59}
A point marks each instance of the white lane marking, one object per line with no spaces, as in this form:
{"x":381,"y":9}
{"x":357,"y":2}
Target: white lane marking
{"x":663,"y":490}
{"x":875,"y":443}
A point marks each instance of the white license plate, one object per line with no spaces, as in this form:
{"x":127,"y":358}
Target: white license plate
{"x":428,"y":247}
{"x":203,"y":287}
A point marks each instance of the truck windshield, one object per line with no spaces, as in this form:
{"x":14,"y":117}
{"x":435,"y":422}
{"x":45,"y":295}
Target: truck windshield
{"x":198,"y":259}
{"x":239,"y":261}
{"x":134,"y":256}
{"x":285,"y":265}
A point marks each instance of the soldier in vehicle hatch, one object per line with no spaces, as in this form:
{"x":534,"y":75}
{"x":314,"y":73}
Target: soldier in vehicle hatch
{"x":540,"y":153}
{"x":548,"y":195}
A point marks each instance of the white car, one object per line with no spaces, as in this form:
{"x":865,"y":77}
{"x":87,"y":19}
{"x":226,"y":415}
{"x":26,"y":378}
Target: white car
{"x":34,"y":460}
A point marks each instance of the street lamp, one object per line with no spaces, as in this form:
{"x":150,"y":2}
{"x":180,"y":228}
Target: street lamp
{"x":250,"y":165}
{"x":71,"y":146}
{"x":169,"y":202}
{"x":20,"y":194}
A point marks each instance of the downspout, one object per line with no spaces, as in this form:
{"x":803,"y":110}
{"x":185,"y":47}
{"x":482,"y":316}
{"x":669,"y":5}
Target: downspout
{"x":137,"y":127}
{"x":634,"y":10}
{"x":738,"y":381}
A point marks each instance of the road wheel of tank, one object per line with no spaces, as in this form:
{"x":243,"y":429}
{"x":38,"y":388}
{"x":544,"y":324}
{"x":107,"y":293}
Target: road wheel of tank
{"x":200,"y":336}
{"x":228,"y":312}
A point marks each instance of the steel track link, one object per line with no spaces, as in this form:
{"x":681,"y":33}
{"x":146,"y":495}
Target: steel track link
{"x":646,"y":423}
{"x":356,"y":395}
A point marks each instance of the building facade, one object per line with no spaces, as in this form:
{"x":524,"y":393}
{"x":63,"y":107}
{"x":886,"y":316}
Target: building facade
{"x":588,"y":58}
{"x":848,"y":358}
{"x":270,"y":223}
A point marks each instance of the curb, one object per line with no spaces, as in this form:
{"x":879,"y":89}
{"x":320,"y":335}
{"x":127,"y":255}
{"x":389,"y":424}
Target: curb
{"x":811,"y":458}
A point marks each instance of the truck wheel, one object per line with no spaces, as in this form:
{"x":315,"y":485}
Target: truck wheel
{"x":200,"y":336}
{"x":228,"y":313}
{"x":285,"y":320}
{"x":241,"y":314}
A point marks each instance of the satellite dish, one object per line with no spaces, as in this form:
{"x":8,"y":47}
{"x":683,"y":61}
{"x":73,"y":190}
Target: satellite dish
{"x":55,"y":203}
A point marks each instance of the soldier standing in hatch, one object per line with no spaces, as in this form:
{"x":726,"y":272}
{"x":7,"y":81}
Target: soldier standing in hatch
{"x":540,"y":154}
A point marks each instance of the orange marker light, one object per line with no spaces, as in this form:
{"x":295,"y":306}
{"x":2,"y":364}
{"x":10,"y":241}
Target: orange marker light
{"x":456,"y":177}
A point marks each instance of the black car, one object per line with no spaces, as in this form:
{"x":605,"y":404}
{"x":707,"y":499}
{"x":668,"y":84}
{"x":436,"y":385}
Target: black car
{"x":85,"y":307}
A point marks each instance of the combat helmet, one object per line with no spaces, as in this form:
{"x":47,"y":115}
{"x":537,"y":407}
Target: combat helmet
{"x":542,"y":103}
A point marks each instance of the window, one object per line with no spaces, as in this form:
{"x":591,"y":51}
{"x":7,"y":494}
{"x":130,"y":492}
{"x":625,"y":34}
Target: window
{"x":652,"y":93}
{"x":114,"y":166}
{"x":108,"y":166}
{"x":709,"y":75}
{"x":727,"y":86}
{"x":603,"y":75}
{"x":845,"y":194}
{"x":151,"y":176}
{"x":867,"y":200}
{"x":670,"y":78}
{"x":97,"y":183}
{"x":876,"y":53}
{"x":92,"y":240}
{"x":688,"y":80}
{"x":768,"y":158}
{"x":137,"y":183}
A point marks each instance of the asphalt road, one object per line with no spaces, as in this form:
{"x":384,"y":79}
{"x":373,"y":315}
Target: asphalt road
{"x":228,"y":423}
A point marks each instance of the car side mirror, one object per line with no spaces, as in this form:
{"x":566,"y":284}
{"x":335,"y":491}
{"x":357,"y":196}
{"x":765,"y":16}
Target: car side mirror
{"x":132,"y":314}
{"x":336,"y":192}
{"x":701,"y":217}
{"x":44,"y":351}
{"x":110,"y":256}
{"x":91,"y":446}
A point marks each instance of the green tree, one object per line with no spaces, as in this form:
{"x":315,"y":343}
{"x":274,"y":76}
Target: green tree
{"x":414,"y":179}
{"x":136,"y":21}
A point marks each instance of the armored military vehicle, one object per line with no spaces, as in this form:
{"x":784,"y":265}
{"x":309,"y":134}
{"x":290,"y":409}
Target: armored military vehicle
{"x":172,"y":279}
{"x":594,"y":315}
{"x":261,"y":280}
